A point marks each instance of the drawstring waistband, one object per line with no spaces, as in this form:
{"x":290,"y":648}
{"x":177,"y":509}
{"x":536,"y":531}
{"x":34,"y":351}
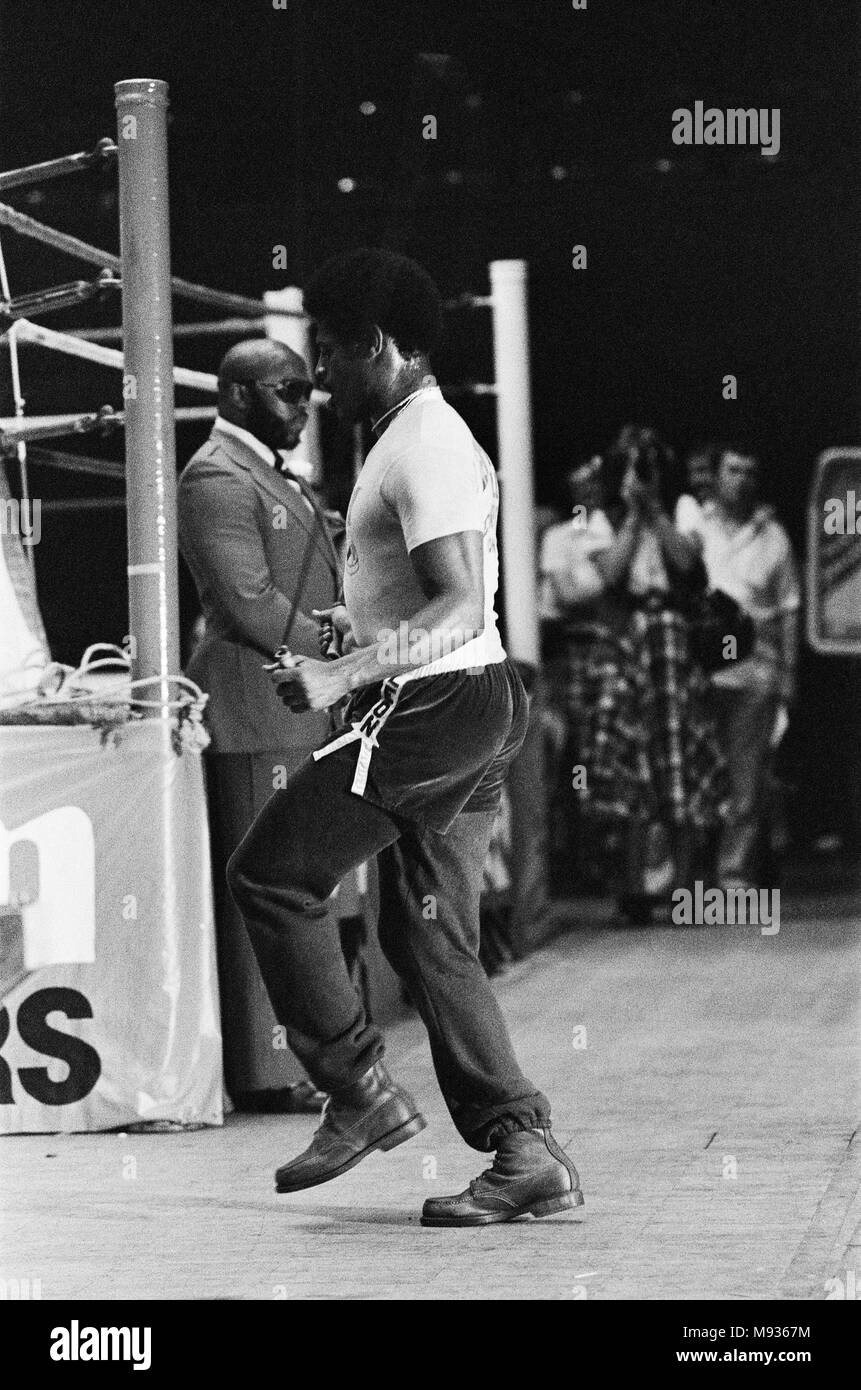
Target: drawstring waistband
{"x":365,"y":730}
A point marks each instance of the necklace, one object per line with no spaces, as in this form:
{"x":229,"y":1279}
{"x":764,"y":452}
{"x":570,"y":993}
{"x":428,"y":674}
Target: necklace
{"x":400,"y":405}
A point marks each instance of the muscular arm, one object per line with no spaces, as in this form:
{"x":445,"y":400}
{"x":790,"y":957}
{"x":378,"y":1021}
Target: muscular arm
{"x":450,"y":571}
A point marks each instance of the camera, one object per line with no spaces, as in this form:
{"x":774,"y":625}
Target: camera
{"x":646,"y":465}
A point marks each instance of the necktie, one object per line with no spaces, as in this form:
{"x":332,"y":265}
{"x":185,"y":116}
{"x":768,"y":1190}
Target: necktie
{"x":319,"y":517}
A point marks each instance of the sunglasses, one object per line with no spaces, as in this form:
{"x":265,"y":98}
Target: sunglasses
{"x":290,"y":391}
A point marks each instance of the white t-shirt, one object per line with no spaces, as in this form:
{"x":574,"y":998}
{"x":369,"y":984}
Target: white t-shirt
{"x":750,"y":561}
{"x":753,"y":563}
{"x":425,"y":478}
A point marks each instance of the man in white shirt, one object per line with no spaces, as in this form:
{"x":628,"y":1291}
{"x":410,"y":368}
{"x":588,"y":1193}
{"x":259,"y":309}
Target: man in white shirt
{"x":748,"y":555}
{"x":437,"y":713}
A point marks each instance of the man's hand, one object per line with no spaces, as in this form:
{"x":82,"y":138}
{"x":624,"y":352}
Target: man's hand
{"x":336,"y":632}
{"x":304,"y":684}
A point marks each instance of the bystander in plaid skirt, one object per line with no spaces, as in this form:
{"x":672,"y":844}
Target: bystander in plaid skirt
{"x":644,"y":734}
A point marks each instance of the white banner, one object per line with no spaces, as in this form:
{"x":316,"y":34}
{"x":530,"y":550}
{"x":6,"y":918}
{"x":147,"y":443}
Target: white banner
{"x":108,"y":990}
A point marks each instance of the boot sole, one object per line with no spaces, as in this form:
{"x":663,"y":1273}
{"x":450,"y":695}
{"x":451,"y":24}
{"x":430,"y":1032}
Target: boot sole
{"x":548,"y":1206}
{"x":385,"y":1142}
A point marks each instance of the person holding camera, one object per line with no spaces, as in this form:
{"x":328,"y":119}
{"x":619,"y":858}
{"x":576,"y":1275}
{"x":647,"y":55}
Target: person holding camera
{"x":652,"y":769}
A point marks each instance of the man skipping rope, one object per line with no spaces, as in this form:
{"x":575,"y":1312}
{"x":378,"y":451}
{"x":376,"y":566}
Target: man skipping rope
{"x":435,"y":714}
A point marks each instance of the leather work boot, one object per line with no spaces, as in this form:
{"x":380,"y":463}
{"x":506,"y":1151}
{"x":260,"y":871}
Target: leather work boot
{"x":531,"y":1175}
{"x":371,"y":1114}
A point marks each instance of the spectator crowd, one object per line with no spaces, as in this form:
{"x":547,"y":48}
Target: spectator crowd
{"x":670,"y":614}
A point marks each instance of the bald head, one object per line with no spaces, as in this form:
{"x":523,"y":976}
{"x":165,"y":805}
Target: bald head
{"x":260,"y":388}
{"x":260,"y":359}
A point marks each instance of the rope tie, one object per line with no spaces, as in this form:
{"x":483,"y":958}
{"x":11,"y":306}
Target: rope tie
{"x":365,"y":731}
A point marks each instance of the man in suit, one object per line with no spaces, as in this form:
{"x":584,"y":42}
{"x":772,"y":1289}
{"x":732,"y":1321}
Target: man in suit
{"x":261,"y":554}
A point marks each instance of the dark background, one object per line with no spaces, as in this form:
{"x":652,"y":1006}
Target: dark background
{"x":723,"y":262}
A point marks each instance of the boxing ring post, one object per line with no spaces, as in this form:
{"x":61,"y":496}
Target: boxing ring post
{"x":508,"y":281}
{"x":148,"y":379}
{"x":137,"y":833}
{"x":526,"y":782}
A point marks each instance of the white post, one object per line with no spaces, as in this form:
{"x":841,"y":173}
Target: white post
{"x":148,"y":382}
{"x":508,"y":281}
{"x":284,"y":327}
{"x":526,"y":781}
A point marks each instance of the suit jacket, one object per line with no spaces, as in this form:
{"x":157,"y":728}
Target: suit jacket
{"x":243,"y":532}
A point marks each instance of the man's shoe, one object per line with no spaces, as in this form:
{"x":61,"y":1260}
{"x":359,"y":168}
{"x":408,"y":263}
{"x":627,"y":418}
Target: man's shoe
{"x":531,"y":1175}
{"x":371,"y":1114}
{"x":301,"y":1099}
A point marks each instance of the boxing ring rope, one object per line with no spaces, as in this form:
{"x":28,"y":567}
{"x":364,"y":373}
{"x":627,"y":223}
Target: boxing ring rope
{"x":247,"y":327}
{"x":217,"y":328}
{"x":81,"y":250}
{"x":78,"y":463}
{"x":59,"y":297}
{"x":147,"y":363}
{"x":74,"y":345}
{"x":56,"y":426}
{"x":14,"y":429}
{"x":104,"y":153}
{"x":37,"y":335}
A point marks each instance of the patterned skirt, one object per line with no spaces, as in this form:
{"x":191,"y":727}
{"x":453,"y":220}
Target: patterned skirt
{"x":643,"y":732}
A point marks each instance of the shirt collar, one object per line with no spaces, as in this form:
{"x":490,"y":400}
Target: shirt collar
{"x":763,"y":513}
{"x":237,"y":432}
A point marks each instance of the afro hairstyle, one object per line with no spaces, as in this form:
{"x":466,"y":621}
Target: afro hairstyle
{"x":352,"y":292}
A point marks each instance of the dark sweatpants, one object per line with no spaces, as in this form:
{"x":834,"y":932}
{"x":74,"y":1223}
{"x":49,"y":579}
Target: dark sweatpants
{"x":441,"y":752}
